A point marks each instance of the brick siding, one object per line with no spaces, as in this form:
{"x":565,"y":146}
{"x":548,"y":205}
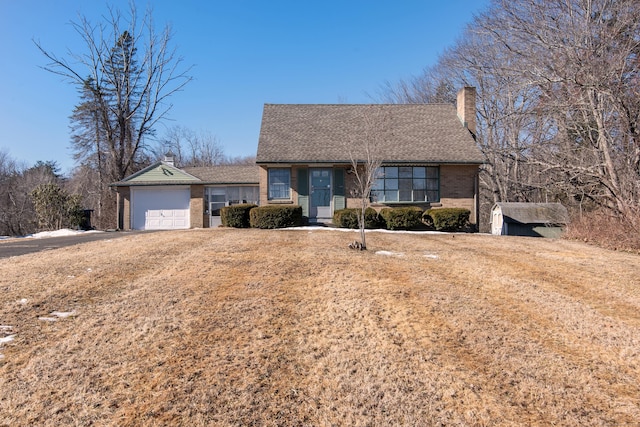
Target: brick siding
{"x":124,"y":208}
{"x":457,"y":188}
{"x":458,"y":184}
{"x":196,"y":206}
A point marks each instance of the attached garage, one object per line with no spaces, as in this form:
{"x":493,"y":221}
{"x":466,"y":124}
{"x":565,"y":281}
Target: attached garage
{"x":159,"y":197}
{"x":160,"y":208}
{"x":164,"y":197}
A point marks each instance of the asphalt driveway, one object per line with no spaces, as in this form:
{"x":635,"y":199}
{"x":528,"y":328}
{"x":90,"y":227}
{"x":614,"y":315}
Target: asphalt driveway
{"x":27,"y":245}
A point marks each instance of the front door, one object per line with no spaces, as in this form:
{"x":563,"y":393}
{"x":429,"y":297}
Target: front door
{"x":320,"y":194}
{"x":217,"y":201}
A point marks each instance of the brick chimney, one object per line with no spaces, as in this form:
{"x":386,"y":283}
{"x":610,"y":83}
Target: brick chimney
{"x":466,"y":104}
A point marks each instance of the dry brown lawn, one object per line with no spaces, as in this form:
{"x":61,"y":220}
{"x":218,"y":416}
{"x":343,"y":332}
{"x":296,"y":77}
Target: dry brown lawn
{"x":289,"y":327}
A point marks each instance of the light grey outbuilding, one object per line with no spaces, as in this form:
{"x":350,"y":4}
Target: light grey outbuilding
{"x":528,"y":219}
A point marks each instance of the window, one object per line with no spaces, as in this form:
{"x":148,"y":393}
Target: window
{"x":222,"y":196}
{"x":242,"y":194}
{"x":279,"y":183}
{"x":407,"y":184}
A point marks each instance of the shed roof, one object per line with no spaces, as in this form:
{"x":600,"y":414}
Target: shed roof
{"x":533,"y":213}
{"x":433,"y":133}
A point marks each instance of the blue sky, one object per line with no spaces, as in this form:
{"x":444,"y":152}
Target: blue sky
{"x":245,"y":53}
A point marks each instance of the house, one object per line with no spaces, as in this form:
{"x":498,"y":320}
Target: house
{"x":528,"y":219}
{"x":164,"y":197}
{"x":429,"y":155}
{"x":430,"y":159}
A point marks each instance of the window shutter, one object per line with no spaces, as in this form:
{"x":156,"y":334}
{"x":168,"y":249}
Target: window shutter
{"x":339,"y":199}
{"x":303,"y":190}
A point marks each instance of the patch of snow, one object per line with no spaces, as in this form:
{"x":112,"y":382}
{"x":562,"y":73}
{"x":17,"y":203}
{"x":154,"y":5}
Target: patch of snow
{"x":63,"y":314}
{"x":312,"y":228}
{"x":23,"y":301}
{"x":54,"y":316}
{"x":408,"y":231}
{"x":431,"y":256}
{"x":7,"y":339}
{"x":389,"y":253}
{"x":57,"y":233}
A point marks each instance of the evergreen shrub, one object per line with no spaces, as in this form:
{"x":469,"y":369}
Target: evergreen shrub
{"x":406,"y":218}
{"x":348,"y":218}
{"x":447,"y":219}
{"x":236,"y":216}
{"x":276,"y":216}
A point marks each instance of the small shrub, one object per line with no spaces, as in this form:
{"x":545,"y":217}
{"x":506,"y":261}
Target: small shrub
{"x":275,"y":216}
{"x":236,"y":216}
{"x":55,"y":208}
{"x":447,"y":219}
{"x":402,"y":218}
{"x":348,"y":218}
{"x":345,"y":218}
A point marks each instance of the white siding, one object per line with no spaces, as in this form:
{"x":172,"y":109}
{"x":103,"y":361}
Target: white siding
{"x":497,"y":221}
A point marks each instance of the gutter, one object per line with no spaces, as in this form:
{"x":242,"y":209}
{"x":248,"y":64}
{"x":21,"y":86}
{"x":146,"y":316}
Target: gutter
{"x":389,"y":162}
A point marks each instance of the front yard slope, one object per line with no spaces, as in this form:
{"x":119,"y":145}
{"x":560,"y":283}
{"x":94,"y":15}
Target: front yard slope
{"x":289,"y":327}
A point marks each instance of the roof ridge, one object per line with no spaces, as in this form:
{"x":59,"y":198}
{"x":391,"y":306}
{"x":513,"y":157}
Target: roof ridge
{"x":360,"y":104}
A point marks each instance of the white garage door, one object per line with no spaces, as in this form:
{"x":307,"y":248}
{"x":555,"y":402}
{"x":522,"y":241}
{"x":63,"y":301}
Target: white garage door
{"x":165,"y":208}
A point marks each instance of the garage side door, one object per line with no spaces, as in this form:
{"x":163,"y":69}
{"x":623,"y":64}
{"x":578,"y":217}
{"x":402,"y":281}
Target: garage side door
{"x":165,"y":208}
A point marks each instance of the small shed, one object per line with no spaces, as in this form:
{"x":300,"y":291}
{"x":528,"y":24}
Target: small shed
{"x":528,"y":219}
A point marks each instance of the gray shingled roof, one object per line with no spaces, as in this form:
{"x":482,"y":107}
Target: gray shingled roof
{"x":295,"y":133}
{"x":228,"y":174}
{"x":534,"y":213}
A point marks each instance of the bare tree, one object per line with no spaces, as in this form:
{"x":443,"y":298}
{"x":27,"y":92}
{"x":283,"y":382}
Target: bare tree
{"x":365,"y":154}
{"x":558,"y":86}
{"x":240,"y":160}
{"x":191,"y":148}
{"x":172,"y":141}
{"x":204,"y":150}
{"x":9,"y":171}
{"x":509,"y":119}
{"x":125,"y":76}
{"x":582,"y":57}
{"x":432,"y":86}
{"x":85,"y":180}
{"x":508,"y":124}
